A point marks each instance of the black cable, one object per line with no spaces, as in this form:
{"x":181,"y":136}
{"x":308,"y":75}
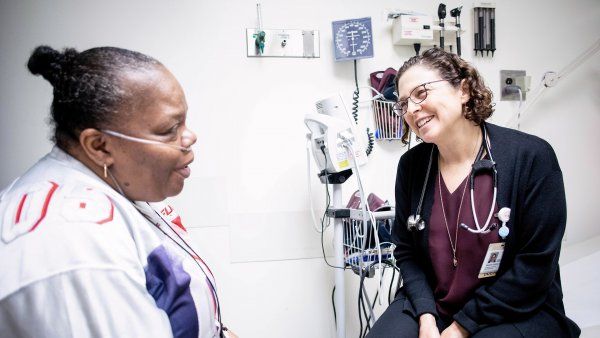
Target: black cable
{"x":367,"y":329}
{"x":371,"y":140}
{"x":361,"y":305}
{"x":328,"y":202}
{"x":417,"y":48}
{"x":390,"y":264}
{"x":368,"y":324}
{"x":390,"y":288}
{"x":361,"y":302}
{"x":325,"y":216}
{"x":355,"y":95}
{"x":360,"y":312}
{"x":362,"y":308}
{"x":394,"y":270}
{"x":323,"y":231}
{"x":333,"y":304}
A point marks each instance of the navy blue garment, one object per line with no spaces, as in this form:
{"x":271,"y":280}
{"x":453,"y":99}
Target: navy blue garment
{"x":169,"y":285}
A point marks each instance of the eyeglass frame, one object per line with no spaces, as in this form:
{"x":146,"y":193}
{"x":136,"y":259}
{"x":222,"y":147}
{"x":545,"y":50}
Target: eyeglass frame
{"x":396,"y":106}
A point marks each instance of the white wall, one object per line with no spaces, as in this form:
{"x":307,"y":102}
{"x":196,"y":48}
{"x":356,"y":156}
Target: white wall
{"x":247,"y":202}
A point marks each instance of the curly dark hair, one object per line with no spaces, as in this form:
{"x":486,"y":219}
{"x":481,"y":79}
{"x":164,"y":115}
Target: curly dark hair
{"x":88,"y":86}
{"x":453,"y":69}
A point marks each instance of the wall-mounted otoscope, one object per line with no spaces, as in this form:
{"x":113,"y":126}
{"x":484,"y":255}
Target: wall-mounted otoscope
{"x":455,"y":13}
{"x":493,"y":31}
{"x":442,"y":16}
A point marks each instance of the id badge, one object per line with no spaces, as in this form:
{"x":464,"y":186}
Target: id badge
{"x":492,"y":259}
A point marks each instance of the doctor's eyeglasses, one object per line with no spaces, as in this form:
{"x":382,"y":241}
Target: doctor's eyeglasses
{"x":417,"y":95}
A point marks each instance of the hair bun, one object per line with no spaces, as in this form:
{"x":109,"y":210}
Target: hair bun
{"x":50,"y":63}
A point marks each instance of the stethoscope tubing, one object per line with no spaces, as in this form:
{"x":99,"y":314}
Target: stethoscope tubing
{"x":425,"y":182}
{"x":486,"y":228}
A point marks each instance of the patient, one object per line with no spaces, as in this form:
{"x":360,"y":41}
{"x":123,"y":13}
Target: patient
{"x":88,"y":248}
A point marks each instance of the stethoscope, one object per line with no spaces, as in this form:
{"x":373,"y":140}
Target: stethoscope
{"x":416,"y":222}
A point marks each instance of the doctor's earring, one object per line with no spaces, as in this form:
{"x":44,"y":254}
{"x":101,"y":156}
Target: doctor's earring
{"x":105,"y":171}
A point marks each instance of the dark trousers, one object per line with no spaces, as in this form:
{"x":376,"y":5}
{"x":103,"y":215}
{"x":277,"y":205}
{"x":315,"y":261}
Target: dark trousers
{"x":399,"y":322}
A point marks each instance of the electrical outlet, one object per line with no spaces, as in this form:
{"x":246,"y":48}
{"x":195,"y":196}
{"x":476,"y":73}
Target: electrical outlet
{"x":509,"y":81}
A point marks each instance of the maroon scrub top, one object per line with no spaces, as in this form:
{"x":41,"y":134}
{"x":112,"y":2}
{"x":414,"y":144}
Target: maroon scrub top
{"x":456,"y":285}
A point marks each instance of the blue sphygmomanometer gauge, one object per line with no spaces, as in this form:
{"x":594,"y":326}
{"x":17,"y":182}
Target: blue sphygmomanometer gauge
{"x":352,"y":39}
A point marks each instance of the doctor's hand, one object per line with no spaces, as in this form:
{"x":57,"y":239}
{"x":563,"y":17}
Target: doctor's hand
{"x":229,"y":334}
{"x":428,"y":327}
{"x":455,"y":331}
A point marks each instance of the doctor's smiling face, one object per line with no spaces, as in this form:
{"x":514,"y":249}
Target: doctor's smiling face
{"x":441,"y":96}
{"x":157,"y":112}
{"x":432,"y":104}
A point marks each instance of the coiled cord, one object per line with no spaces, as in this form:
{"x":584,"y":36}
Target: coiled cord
{"x":355,"y":96}
{"x":371,"y":142}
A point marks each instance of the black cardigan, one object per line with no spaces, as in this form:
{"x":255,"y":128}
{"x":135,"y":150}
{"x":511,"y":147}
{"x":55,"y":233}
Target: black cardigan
{"x":530,"y":184}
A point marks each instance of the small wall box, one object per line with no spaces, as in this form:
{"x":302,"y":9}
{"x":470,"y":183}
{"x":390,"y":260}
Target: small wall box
{"x":408,"y":29}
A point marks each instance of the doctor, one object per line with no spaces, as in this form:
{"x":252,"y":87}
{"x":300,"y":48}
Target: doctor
{"x":480,"y":213}
{"x":87,"y":248}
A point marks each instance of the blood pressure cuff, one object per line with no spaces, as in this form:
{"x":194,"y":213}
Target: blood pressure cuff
{"x":384,"y":227}
{"x":383,"y":81}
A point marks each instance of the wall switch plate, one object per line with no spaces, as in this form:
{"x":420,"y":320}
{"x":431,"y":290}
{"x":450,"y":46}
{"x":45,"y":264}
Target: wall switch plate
{"x":508,"y":80}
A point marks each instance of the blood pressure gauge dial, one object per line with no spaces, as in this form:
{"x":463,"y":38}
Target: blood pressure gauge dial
{"x":352,"y":39}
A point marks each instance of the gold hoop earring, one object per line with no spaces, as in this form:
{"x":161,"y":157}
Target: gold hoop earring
{"x":105,"y":171}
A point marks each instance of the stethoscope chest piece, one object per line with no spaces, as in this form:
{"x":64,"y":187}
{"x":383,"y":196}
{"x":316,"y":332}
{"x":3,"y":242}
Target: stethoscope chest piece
{"x":415,"y":222}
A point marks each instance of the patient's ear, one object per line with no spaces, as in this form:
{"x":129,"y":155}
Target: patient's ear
{"x":97,"y":146}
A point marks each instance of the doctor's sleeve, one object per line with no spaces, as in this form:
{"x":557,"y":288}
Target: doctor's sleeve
{"x":524,"y":286}
{"x":415,"y":283}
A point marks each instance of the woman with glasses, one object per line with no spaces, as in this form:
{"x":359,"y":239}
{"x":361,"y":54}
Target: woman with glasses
{"x":472,"y":191}
{"x":88,"y":248}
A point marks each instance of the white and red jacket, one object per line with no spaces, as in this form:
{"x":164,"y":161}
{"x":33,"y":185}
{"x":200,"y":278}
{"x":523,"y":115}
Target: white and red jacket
{"x":77,"y":259}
